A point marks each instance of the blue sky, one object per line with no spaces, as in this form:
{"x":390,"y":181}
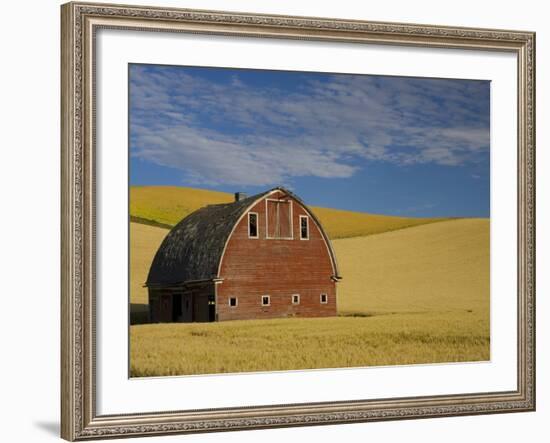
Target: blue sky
{"x":379,"y":144}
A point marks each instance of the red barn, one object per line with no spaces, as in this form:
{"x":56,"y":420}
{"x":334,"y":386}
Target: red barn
{"x":264,"y":256}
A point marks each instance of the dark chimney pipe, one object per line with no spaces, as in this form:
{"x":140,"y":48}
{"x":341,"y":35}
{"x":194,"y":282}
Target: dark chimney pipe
{"x":240,"y":196}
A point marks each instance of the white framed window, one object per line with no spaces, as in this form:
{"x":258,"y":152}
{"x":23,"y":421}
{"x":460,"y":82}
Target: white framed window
{"x":295,"y":299}
{"x":253,"y":226}
{"x":324,"y":299}
{"x":304,"y":227}
{"x":266,"y":300}
{"x":233,"y":302}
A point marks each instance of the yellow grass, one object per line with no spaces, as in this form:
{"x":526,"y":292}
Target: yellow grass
{"x":342,"y":224}
{"x":418,"y":295}
{"x":437,"y":267}
{"x":285,"y":344}
{"x":144,"y":242}
{"x":167,"y":205}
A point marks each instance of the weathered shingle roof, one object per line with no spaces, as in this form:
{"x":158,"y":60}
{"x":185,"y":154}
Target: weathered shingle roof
{"x":193,"y":248}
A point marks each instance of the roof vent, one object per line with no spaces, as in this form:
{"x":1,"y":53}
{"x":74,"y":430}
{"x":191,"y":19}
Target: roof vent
{"x":240,"y":196}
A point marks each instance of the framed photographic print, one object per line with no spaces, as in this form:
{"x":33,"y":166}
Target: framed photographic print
{"x":283,"y":221}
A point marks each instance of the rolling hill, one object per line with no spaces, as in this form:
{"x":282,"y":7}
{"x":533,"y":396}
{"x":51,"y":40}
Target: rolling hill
{"x":416,"y":295}
{"x":144,"y":242}
{"x":164,"y":206}
{"x":411,"y":270}
{"x":441,"y":267}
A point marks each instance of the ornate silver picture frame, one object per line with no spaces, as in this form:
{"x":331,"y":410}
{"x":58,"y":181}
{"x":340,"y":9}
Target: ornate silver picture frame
{"x":79,"y":414}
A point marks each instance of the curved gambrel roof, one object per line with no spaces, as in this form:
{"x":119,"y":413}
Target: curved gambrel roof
{"x":193,"y":249}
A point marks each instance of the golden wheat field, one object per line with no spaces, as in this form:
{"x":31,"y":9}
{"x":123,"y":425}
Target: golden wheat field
{"x":437,"y":267}
{"x":286,"y":344}
{"x":416,"y":295}
{"x":167,"y":205}
{"x":144,"y":242}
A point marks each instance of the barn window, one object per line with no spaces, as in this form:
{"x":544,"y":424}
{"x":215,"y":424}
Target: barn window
{"x":279,"y":219}
{"x":295,"y":299}
{"x":233,"y":302}
{"x":253,"y":225}
{"x":304,"y":227}
{"x":265,"y":300}
{"x":324,"y":298}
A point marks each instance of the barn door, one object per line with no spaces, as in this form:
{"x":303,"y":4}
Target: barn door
{"x":284,"y":221}
{"x":177,"y":310}
{"x":279,"y":223}
{"x":187,"y":308}
{"x":165,"y":308}
{"x":211,"y":308}
{"x":271,"y":218}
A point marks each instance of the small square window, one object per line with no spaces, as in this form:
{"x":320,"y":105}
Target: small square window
{"x":324,"y":298}
{"x":233,"y":302}
{"x":295,"y":299}
{"x":265,"y":300}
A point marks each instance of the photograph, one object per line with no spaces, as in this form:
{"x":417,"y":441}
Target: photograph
{"x":290,"y":220}
{"x":275,"y":221}
{"x":293,"y":218}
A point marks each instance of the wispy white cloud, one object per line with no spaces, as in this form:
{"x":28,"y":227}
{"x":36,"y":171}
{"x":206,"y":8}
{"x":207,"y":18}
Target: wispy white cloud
{"x":236,"y":133}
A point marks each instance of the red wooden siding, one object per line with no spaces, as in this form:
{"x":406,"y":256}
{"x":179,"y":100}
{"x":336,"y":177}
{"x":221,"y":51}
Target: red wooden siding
{"x":276,"y":267}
